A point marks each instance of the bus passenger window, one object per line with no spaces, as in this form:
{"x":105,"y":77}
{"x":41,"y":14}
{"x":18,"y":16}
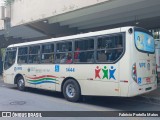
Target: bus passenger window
{"x":82,"y":57}
{"x":47,"y":53}
{"x":118,"y":51}
{"x":63,"y":52}
{"x":69,"y":58}
{"x":111,"y":55}
{"x":76,"y":55}
{"x":84,"y":51}
{"x":22,"y":55}
{"x":102,"y":56}
{"x":34,"y":54}
{"x":109,"y":48}
{"x":63,"y":58}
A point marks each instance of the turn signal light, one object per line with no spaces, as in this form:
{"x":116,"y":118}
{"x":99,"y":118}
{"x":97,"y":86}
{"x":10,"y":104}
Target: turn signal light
{"x":134,"y":72}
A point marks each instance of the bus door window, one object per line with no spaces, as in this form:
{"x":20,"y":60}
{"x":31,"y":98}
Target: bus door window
{"x":10,"y":58}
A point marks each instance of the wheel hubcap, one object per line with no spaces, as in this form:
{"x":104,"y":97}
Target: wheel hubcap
{"x":70,"y":90}
{"x":21,"y":83}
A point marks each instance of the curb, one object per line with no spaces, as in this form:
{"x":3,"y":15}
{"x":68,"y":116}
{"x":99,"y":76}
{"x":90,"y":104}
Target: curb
{"x":153,"y":96}
{"x":151,"y":100}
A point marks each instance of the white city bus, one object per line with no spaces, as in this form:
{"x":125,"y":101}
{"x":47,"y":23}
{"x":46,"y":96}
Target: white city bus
{"x":116,"y":62}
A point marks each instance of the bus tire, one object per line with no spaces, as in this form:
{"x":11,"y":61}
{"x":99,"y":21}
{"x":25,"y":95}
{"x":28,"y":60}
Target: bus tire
{"x":71,"y":90}
{"x":20,"y":83}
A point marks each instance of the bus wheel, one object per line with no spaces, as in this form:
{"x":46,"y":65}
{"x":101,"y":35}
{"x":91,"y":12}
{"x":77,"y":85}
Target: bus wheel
{"x":71,"y":90}
{"x":21,"y":83}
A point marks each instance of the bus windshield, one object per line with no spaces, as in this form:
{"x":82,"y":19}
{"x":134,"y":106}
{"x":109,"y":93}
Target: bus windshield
{"x":144,"y":42}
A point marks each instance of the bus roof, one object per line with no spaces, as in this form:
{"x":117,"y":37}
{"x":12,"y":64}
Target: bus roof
{"x":82,"y":35}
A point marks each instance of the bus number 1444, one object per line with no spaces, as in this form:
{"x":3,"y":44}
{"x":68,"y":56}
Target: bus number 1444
{"x":70,"y":69}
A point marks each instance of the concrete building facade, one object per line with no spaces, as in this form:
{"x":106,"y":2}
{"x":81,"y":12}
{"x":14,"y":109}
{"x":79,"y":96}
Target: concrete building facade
{"x":55,"y":18}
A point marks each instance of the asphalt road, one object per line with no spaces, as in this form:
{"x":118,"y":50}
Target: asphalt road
{"x":12,"y":99}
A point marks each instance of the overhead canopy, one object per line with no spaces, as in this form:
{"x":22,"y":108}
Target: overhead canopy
{"x":145,"y":13}
{"x":110,"y":14}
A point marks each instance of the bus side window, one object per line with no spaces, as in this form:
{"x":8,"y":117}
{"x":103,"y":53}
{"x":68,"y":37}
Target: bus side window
{"x":64,"y":52}
{"x":63,"y":58}
{"x":109,"y":48}
{"x":102,"y":56}
{"x":84,"y":51}
{"x":22,"y":55}
{"x":77,"y":54}
{"x":111,"y":56}
{"x":34,"y":54}
{"x":82,"y":57}
{"x":47,"y":53}
{"x":118,"y":51}
{"x":69,"y":58}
